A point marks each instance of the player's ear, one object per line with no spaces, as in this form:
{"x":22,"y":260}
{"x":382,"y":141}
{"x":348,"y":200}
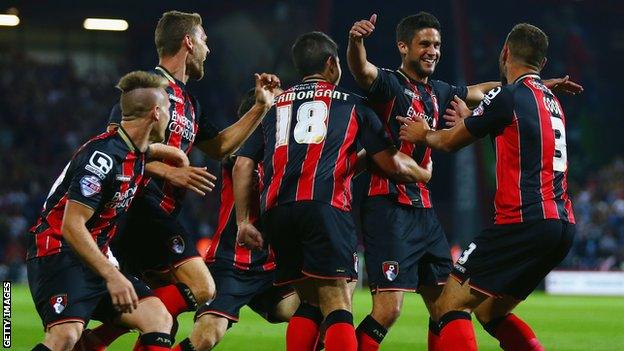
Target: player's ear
{"x":402,"y":46}
{"x":543,"y":63}
{"x":188,"y":42}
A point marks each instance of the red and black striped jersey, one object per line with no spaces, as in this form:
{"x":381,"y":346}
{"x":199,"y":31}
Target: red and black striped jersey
{"x":187,"y":125}
{"x":393,"y":94}
{"x":310,"y":138}
{"x":224,"y":248}
{"x":527,"y":126}
{"x":104,"y":174}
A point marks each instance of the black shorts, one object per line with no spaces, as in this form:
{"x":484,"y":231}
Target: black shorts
{"x":237,"y":288}
{"x":150,"y":239}
{"x":64,"y":289}
{"x":404,"y":247}
{"x":512,"y":259}
{"x":311,"y":239}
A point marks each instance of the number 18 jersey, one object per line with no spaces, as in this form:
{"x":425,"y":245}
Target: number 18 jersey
{"x":310,"y":144}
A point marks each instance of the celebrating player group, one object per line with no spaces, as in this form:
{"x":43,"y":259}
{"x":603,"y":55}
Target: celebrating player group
{"x":109,"y":246}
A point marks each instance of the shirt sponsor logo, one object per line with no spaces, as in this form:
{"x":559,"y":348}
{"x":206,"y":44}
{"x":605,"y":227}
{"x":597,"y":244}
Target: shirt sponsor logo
{"x":176,"y":99}
{"x":183,"y":126}
{"x":100,"y":164}
{"x":411,"y":94}
{"x":122,"y":200}
{"x":122,"y":178}
{"x":90,"y":185}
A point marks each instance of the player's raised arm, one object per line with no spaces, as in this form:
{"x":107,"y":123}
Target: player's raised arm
{"x":75,"y":232}
{"x":232,"y":137}
{"x":363,"y":71}
{"x":173,"y":155}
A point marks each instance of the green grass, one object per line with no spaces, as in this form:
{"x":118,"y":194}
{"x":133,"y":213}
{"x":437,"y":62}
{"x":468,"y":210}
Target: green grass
{"x":561,"y":323}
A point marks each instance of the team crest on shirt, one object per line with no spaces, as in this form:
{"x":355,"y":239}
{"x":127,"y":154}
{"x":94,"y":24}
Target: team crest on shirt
{"x":177,"y":244}
{"x":58,"y":303}
{"x":390,"y":269}
{"x":90,"y":185}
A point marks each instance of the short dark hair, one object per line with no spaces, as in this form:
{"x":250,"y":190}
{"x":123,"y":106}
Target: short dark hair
{"x":310,"y":52}
{"x":249,"y":99}
{"x":172,"y":27}
{"x":409,"y":25}
{"x":528,"y":44}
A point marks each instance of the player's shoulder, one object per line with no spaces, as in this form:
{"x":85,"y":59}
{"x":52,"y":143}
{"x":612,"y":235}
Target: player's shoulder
{"x":349,"y":96}
{"x":100,"y":154}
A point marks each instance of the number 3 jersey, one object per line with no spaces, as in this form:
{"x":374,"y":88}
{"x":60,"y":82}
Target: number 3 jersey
{"x":310,"y":139}
{"x":527,"y":127}
{"x":104,"y":174}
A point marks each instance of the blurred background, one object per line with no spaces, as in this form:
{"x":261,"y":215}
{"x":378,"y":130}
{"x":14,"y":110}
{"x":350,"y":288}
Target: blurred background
{"x":57,"y":80}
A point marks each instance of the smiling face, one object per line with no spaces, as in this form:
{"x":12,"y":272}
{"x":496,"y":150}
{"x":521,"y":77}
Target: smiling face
{"x":422,"y":54}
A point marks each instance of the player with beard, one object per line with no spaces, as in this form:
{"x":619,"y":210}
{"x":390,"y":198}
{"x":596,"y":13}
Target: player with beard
{"x":405,"y":247}
{"x":533,"y":221}
{"x":153,"y":243}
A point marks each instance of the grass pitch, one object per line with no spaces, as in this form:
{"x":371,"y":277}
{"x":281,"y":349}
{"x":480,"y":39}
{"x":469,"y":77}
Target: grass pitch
{"x":561,"y":323}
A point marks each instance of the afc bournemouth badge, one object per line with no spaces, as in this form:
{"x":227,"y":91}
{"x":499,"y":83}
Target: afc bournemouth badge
{"x":177,"y":244}
{"x":390,"y":269}
{"x":58,"y":303}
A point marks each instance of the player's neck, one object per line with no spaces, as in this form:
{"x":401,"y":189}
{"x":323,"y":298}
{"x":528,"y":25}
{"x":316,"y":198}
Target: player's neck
{"x":315,"y":78}
{"x":176,"y":66}
{"x":411,"y":74}
{"x":515,"y":71}
{"x":138,"y":131}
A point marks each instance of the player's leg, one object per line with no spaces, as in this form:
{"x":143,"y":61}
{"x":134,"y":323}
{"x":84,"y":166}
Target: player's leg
{"x":554,"y":239}
{"x":195,"y":274}
{"x":207,"y":331}
{"x":452,"y":313}
{"x":434,"y":268}
{"x":512,"y":332}
{"x":394,"y":241}
{"x":154,"y":323}
{"x":284,"y":309}
{"x":304,"y":326}
{"x":335,"y":303}
{"x":61,"y":337}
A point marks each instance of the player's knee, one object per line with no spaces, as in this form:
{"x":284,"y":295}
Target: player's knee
{"x":388,"y":314}
{"x":204,"y":294}
{"x":207,"y":338}
{"x":157,"y":319}
{"x":65,"y":335}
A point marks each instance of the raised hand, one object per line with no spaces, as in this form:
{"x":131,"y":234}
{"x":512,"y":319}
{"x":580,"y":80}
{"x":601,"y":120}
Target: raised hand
{"x":249,"y":236}
{"x":413,"y":130}
{"x":563,"y":85}
{"x":267,"y":87}
{"x":196,"y":179}
{"x":364,"y":28}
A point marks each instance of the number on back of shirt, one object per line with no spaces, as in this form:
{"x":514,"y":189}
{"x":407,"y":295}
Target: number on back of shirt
{"x":311,"y":127}
{"x":560,"y":159}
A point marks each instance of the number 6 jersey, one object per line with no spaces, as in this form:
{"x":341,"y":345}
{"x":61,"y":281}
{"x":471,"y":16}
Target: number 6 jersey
{"x":527,"y":127}
{"x":310,"y":144}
